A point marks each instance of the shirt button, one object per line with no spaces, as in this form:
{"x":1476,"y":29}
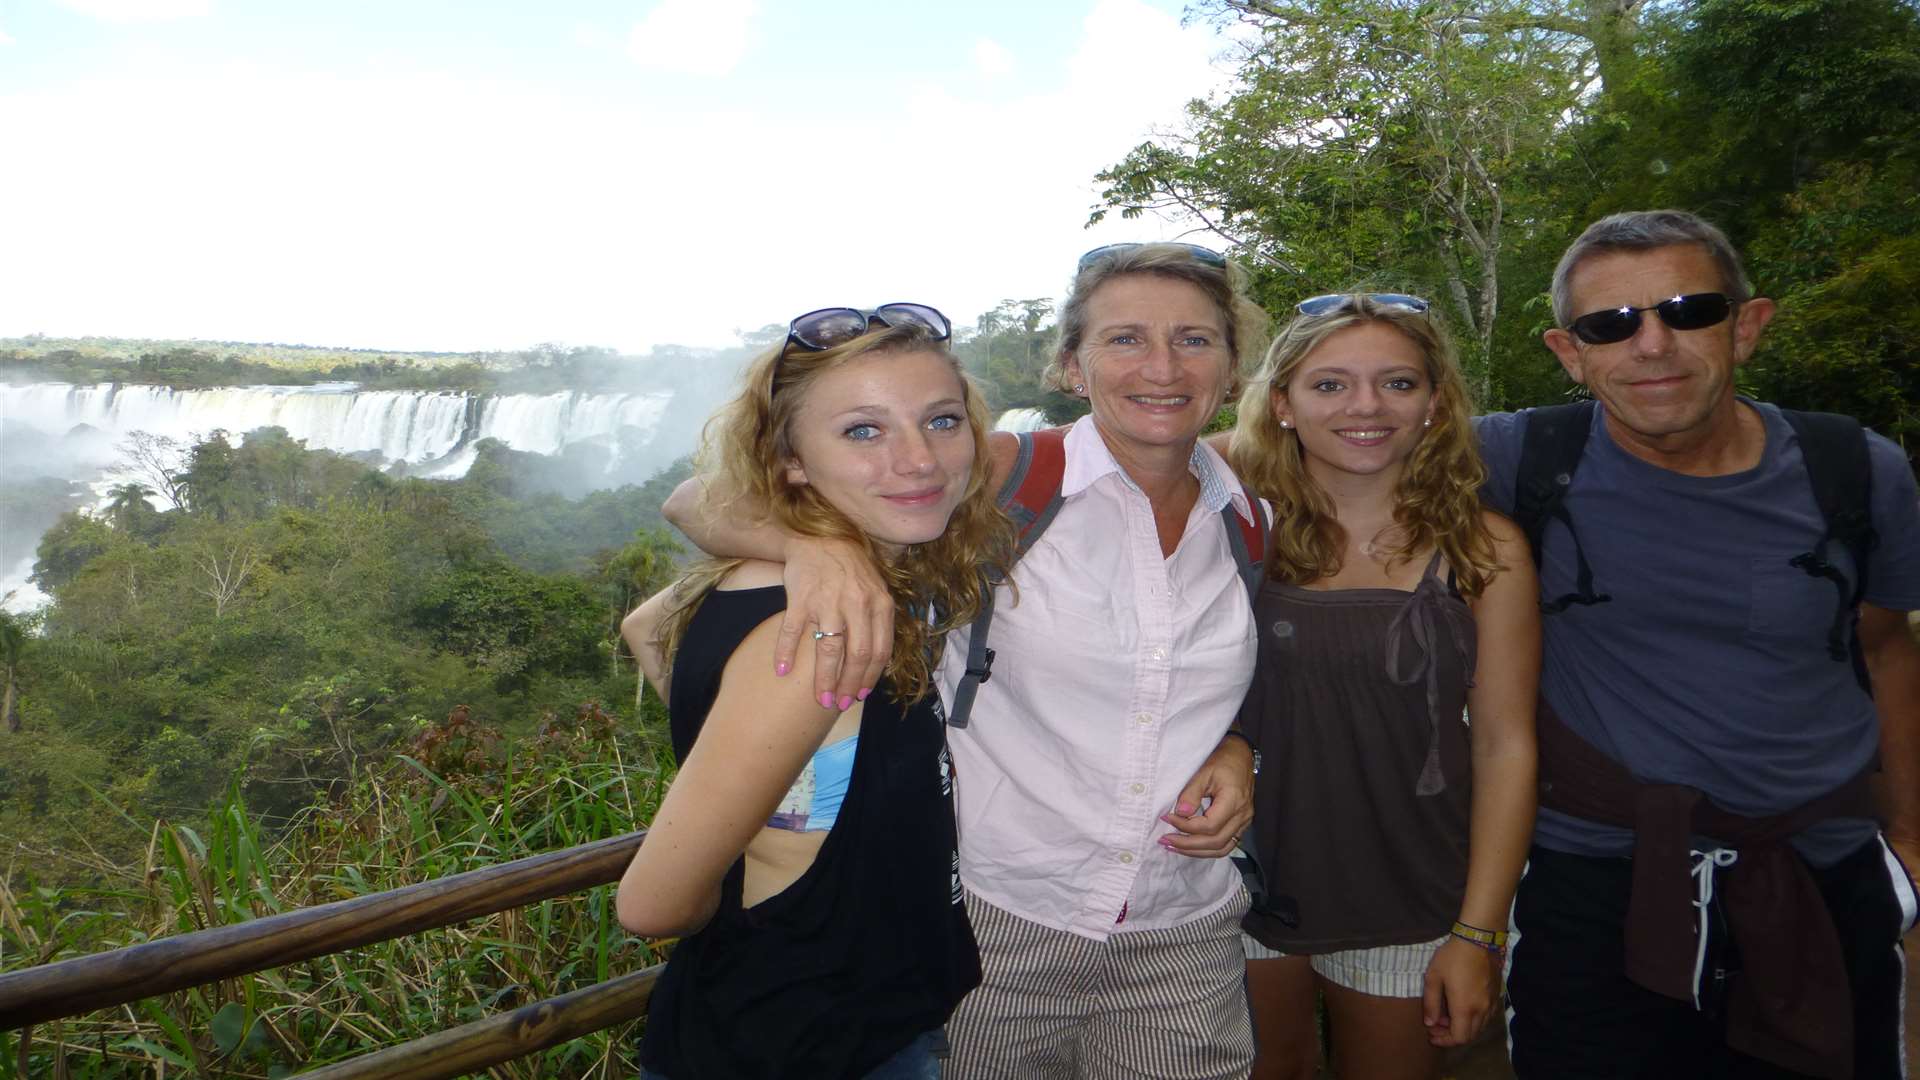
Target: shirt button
{"x":1126,"y":856}
{"x":1138,"y":789}
{"x":1144,"y":718}
{"x":1159,"y":654}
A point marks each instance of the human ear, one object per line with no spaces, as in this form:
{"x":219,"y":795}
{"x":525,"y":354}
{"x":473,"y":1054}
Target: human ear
{"x":1567,"y":351}
{"x":796,"y":472}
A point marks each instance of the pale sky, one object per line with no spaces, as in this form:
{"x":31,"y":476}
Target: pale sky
{"x":490,"y":174}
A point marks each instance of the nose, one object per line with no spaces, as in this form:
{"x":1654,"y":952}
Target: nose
{"x":913,"y":454}
{"x":1162,"y":365}
{"x":1365,"y":401}
{"x":1653,"y":338}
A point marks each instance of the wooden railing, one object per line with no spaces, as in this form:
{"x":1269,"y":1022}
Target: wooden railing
{"x":81,"y":985}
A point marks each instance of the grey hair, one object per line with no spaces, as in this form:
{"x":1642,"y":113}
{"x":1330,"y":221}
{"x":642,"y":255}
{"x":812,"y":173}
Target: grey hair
{"x":1246,"y":321}
{"x":1644,"y":230}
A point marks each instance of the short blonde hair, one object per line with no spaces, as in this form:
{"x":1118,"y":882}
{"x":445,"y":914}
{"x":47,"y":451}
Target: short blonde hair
{"x":1224,"y":283}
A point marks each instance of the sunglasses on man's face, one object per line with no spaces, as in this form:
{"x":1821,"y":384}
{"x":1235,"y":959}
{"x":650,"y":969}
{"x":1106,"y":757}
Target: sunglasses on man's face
{"x":1694,"y":311}
{"x":1200,"y":254}
{"x":823,"y":329}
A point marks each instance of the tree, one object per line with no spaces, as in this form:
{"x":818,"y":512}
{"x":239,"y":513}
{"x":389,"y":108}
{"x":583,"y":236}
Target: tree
{"x":154,"y":461}
{"x":13,"y":642}
{"x":1381,"y":143}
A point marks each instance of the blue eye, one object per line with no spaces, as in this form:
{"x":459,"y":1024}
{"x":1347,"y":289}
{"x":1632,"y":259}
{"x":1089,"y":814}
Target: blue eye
{"x":862,"y":432}
{"x":1402,"y":383}
{"x":946,"y":422}
{"x":1328,"y":386}
{"x":1196,"y":341}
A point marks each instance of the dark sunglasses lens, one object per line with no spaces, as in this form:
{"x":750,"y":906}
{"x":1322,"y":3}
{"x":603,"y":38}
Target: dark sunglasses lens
{"x":937,"y":325}
{"x":1696,"y":311}
{"x":828,"y":327}
{"x":1317,"y":306}
{"x":1606,"y":327}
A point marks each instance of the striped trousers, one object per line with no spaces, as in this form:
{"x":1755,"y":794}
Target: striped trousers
{"x":1168,"y":1004}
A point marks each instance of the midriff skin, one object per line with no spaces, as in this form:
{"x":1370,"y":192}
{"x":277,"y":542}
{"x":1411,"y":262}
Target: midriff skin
{"x":777,"y":857}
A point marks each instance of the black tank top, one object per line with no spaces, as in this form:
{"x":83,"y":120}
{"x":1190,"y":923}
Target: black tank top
{"x":867,"y":950}
{"x":1362,"y":811}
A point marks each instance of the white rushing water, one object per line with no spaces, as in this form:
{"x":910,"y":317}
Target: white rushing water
{"x":409,"y":426}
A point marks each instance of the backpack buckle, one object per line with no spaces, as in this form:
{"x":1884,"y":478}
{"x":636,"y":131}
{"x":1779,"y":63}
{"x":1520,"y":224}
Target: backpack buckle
{"x":982,"y":674}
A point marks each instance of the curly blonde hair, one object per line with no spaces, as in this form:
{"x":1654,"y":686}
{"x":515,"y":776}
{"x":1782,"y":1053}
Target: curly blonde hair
{"x":936,"y":586}
{"x":1437,"y":501}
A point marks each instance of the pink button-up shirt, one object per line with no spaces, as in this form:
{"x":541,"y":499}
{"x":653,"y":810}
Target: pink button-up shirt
{"x":1117,"y":673}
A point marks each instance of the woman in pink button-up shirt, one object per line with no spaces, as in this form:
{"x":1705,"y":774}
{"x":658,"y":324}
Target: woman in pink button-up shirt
{"x":1098,"y":786}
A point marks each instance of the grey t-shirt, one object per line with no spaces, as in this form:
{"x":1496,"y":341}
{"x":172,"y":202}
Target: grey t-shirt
{"x":1709,"y":667}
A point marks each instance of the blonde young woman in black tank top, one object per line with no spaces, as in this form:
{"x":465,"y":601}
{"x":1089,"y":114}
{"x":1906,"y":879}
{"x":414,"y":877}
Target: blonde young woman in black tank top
{"x":811,"y":952}
{"x":1400,"y":830}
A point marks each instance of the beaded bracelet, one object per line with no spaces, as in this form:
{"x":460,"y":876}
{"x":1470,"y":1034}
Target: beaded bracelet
{"x":1490,"y":940}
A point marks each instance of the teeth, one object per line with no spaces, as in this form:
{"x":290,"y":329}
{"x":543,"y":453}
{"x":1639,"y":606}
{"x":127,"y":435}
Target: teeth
{"x":1145,"y":400}
{"x":1365,"y":434}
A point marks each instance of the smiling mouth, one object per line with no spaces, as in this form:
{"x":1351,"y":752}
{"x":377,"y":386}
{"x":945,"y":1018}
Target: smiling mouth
{"x":1364,"y":434}
{"x":917,"y":498}
{"x":1160,"y":402}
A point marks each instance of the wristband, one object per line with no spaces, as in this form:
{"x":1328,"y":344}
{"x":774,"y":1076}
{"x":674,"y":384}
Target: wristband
{"x":1242,"y":736}
{"x":1490,"y":940}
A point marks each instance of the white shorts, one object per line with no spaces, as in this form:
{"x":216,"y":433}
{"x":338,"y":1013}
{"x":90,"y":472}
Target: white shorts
{"x":1397,"y":971}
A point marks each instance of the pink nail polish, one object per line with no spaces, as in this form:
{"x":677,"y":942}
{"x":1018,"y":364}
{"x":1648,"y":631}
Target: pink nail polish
{"x":782,"y":668}
{"x":826,"y":700}
{"x":846,"y":702}
{"x":1167,"y":843}
{"x":864,"y":691}
{"x":1185,"y":809}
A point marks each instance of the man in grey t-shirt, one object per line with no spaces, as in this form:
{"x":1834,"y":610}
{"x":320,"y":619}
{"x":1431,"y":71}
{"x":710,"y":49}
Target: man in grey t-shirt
{"x":1707,"y":670}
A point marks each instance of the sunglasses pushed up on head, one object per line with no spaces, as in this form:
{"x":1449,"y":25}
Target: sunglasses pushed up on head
{"x":1204,"y":255}
{"x":1316,"y":306}
{"x":823,"y":329}
{"x":1694,"y":311}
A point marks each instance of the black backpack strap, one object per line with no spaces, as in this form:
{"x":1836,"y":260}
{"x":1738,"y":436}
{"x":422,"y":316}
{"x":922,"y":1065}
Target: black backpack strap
{"x":1550,"y":452}
{"x":1840,"y":469}
{"x":979,"y":660}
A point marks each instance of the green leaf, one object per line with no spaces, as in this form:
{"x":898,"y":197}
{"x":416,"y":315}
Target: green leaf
{"x":229,"y":1026}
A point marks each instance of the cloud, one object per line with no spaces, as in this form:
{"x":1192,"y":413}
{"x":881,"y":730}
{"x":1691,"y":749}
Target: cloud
{"x":694,"y":37}
{"x":5,"y":39}
{"x":992,"y":58}
{"x":127,"y":11}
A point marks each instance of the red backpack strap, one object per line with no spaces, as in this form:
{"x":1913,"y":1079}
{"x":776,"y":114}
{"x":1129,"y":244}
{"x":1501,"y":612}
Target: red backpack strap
{"x":1031,"y":493}
{"x":1247,"y":539}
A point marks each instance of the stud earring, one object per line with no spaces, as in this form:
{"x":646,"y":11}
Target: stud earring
{"x":1286,"y":423}
{"x":1428,"y":422}
{"x":1079,"y":388}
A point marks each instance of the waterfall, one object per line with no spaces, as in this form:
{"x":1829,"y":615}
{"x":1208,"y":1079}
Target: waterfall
{"x":401,"y":425}
{"x":1017,"y":420}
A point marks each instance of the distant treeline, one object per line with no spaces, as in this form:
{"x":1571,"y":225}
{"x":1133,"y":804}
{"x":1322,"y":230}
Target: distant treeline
{"x":196,"y":365}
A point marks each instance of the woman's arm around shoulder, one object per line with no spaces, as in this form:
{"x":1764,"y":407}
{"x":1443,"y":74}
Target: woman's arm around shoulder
{"x":753,"y":744}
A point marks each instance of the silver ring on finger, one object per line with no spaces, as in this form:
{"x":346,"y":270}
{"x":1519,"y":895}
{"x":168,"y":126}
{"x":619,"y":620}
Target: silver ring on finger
{"x":818,"y":634}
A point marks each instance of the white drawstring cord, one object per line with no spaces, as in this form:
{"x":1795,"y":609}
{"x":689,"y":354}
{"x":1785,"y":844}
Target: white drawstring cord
{"x":1705,"y":862}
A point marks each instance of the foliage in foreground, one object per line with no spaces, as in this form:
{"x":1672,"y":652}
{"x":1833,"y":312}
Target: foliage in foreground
{"x":464,"y":797}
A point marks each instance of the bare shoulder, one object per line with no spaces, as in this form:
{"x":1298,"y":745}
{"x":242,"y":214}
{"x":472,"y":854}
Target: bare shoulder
{"x":1003,"y":447}
{"x":752,"y":574}
{"x":749,"y":678}
{"x":1506,"y":535}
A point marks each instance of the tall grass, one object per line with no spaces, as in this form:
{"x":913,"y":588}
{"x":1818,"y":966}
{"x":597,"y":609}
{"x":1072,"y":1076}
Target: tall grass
{"x":464,"y":798}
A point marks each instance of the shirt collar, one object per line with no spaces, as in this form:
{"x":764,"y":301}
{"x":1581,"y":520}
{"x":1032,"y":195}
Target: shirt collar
{"x":1088,"y":459}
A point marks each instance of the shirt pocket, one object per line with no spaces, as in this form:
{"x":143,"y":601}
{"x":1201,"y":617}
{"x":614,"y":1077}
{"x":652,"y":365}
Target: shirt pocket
{"x":1786,"y":601}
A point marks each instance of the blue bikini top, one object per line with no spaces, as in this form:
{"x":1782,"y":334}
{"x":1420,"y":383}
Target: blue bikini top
{"x":813,"y":802}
